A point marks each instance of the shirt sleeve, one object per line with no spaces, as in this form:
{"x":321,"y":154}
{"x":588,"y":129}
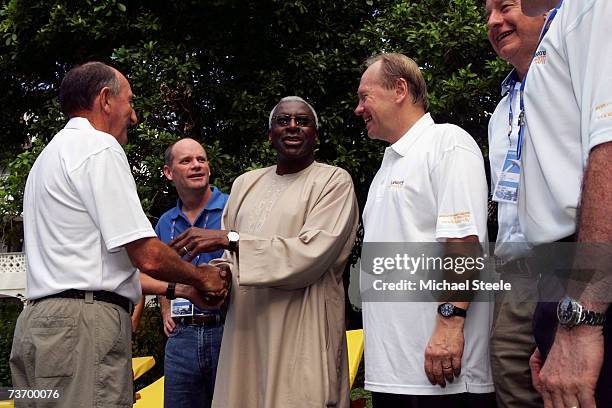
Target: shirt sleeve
{"x":461,"y":188}
{"x":108,"y":191}
{"x":590,"y":54}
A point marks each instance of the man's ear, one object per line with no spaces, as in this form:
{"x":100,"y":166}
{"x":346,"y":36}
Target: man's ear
{"x":401,"y":90}
{"x":270,"y":135}
{"x":167,"y":172}
{"x":104,"y":99}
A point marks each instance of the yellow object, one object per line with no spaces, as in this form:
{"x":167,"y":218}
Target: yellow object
{"x":354,"y":340}
{"x":151,"y":396}
{"x":141,"y":365}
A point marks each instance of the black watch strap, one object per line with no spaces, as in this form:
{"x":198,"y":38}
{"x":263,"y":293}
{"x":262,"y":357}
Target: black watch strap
{"x":170,"y":291}
{"x":460,"y":312}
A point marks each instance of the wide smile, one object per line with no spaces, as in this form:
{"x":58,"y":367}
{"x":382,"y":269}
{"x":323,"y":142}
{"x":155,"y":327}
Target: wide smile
{"x":196,"y":176}
{"x":503,"y":35}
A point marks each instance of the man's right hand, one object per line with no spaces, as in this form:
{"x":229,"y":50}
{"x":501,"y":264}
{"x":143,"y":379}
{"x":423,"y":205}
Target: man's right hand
{"x":214,"y":281}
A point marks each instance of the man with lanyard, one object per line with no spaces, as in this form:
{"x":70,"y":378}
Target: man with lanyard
{"x":192,"y":349}
{"x":565,"y":194}
{"x":431,"y":187}
{"x":85,"y":235}
{"x":514,"y":37}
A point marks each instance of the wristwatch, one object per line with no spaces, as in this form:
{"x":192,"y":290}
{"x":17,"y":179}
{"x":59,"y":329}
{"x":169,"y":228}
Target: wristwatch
{"x":449,"y":310}
{"x":571,"y":313}
{"x":170,"y":291}
{"x":233,"y":237}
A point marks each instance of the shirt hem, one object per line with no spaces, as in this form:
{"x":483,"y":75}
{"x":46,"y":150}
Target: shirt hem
{"x":430,"y":390}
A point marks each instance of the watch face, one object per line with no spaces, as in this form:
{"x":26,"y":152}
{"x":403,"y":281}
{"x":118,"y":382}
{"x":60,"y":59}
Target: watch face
{"x":565,"y":310}
{"x":447,"y":309}
{"x":233,"y":236}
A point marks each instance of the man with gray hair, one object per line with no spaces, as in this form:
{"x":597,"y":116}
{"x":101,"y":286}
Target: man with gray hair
{"x":85,"y":235}
{"x":291,"y":227}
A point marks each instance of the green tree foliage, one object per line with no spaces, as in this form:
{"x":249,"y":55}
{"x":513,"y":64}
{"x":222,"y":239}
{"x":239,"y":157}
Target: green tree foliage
{"x":213,"y":69}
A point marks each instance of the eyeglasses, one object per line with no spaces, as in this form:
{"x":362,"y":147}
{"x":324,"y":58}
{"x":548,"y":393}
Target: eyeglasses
{"x":300,"y":120}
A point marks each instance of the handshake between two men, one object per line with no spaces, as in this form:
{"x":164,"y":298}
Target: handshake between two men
{"x":215,"y":280}
{"x":204,"y":285}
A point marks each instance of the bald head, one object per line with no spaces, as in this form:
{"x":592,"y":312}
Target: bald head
{"x":187,"y":143}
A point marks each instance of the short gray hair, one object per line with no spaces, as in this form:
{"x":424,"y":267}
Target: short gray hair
{"x":293,"y":98}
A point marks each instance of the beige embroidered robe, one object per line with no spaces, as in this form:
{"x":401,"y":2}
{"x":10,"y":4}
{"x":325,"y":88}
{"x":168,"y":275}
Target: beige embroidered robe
{"x":284,"y":342}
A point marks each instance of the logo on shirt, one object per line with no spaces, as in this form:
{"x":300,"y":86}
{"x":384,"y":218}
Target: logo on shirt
{"x":540,"y":57}
{"x":460,"y":218}
{"x":396,"y":184}
{"x":603,"y":111}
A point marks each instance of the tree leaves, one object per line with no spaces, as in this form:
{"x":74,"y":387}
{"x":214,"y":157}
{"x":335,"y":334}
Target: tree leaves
{"x":213,"y":69}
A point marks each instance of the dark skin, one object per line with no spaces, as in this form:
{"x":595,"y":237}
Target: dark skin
{"x":295,"y":146}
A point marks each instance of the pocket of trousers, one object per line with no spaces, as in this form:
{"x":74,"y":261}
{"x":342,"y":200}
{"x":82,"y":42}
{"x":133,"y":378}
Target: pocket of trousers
{"x":54,"y":340}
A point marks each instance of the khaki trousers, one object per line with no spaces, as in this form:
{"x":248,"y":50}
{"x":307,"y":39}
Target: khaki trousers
{"x":512,"y":341}
{"x":81,"y":349}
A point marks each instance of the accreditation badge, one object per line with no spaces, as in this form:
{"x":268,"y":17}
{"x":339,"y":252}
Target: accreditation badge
{"x":506,"y":189}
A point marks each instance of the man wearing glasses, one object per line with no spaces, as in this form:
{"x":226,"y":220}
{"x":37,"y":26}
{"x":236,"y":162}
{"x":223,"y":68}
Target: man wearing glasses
{"x":291,"y":228}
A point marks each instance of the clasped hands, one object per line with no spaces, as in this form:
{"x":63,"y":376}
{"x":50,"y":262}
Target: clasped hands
{"x":215,"y":281}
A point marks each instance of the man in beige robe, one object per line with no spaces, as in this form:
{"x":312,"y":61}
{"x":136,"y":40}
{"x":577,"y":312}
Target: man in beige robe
{"x":284,"y":343}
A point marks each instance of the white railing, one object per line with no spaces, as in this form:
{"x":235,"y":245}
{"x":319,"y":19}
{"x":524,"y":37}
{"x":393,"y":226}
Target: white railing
{"x":12,"y":274}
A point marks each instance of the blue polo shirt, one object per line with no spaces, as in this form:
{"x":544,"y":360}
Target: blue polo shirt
{"x":173,"y":223}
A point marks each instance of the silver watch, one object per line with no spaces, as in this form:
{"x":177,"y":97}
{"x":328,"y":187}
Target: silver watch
{"x":571,"y":313}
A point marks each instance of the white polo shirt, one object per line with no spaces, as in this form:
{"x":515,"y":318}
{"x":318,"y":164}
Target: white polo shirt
{"x":431,"y":185}
{"x":511,"y":242}
{"x":80,"y":207}
{"x":568,"y":109}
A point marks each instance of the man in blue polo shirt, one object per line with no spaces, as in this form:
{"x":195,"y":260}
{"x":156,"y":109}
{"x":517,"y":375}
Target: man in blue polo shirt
{"x":194,"y":339}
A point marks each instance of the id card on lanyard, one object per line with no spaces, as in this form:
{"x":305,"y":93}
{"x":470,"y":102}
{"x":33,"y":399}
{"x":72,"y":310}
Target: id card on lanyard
{"x":507,"y":186}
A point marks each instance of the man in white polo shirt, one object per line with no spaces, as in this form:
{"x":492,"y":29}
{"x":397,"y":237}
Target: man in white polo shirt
{"x":514,"y":37}
{"x":431,"y":187}
{"x":566,"y":193}
{"x":85,"y":234}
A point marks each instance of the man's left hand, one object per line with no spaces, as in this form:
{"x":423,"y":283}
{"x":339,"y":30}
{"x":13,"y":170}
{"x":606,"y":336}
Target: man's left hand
{"x":444,"y":351}
{"x":569,"y":375}
{"x":197,"y":240}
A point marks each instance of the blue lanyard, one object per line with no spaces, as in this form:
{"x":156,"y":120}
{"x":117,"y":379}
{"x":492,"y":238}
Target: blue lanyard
{"x":521,"y":122}
{"x":173,"y":230}
{"x":510,"y":112}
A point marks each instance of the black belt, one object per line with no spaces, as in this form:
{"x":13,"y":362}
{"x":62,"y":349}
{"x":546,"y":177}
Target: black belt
{"x":99,"y":295}
{"x":200,"y":320}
